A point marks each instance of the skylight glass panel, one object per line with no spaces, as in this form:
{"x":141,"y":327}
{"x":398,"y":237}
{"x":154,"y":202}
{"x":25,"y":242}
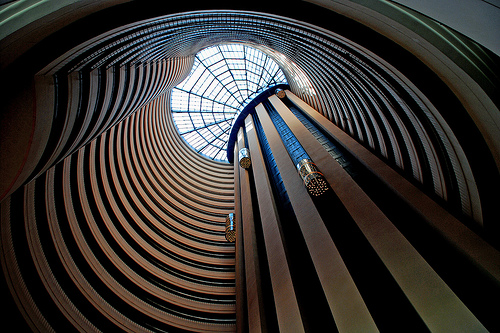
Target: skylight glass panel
{"x":223,"y":80}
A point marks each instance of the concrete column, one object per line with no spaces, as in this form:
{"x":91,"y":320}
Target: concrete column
{"x":464,"y":239}
{"x":337,"y":283}
{"x":241,"y":309}
{"x":427,"y":292}
{"x":256,"y":317}
{"x":287,"y":308}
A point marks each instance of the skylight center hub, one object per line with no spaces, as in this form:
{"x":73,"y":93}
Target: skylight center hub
{"x":223,"y":80}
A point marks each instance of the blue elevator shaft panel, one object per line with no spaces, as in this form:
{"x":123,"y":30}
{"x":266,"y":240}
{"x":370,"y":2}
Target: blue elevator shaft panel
{"x":292,"y":145}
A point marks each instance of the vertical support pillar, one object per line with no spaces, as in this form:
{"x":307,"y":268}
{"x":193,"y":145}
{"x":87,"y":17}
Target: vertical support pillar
{"x":287,"y":308}
{"x":337,"y":283}
{"x":421,"y":284}
{"x":241,"y":309}
{"x":485,"y":255}
{"x":256,"y":318}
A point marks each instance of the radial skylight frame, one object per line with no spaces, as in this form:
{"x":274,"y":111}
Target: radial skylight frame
{"x":223,"y":80}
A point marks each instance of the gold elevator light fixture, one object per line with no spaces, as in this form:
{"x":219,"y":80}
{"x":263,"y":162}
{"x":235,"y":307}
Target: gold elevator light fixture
{"x":314,"y":181}
{"x":244,"y":158}
{"x":230,"y":228}
{"x":280,"y":93}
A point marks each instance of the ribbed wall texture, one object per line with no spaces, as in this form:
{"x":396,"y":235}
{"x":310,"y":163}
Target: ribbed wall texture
{"x":126,"y":233}
{"x":90,"y":101}
{"x":101,"y":83}
{"x":110,"y":221}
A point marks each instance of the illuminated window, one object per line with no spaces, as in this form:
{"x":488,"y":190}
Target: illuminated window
{"x":224,"y":79}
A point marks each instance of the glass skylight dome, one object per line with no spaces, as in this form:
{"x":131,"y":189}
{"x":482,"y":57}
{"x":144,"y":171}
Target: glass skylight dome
{"x":224,"y":79}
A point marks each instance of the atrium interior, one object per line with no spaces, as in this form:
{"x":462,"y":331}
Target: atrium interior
{"x":250,"y":166}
